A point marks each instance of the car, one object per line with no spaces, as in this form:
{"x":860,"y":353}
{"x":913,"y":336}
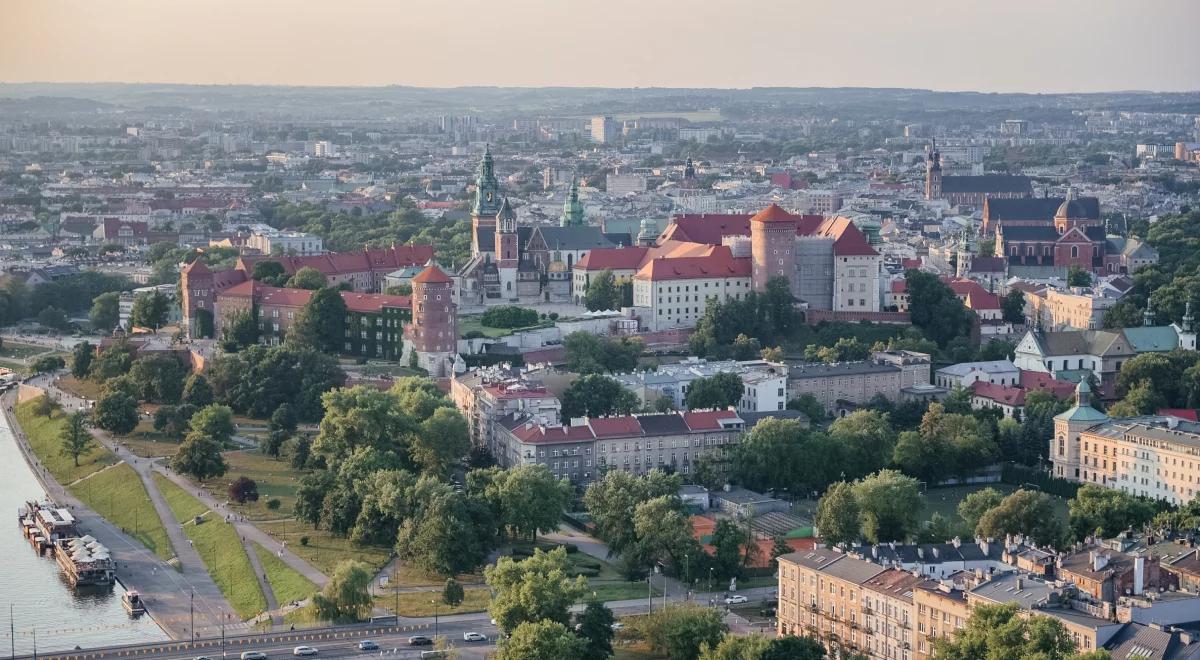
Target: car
{"x":474,"y":637}
{"x":253,"y":655}
{"x":419,"y":640}
{"x":201,"y":657}
{"x":304,"y":650}
{"x":368,"y":645}
{"x":617,"y":625}
{"x":735,"y":600}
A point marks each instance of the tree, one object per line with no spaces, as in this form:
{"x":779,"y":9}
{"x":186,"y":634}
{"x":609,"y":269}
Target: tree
{"x":1024,"y":512}
{"x":1077,"y":276}
{"x":443,"y":441}
{"x":773,"y":354}
{"x":595,"y":628}
{"x":76,"y":441}
{"x":362,"y":417}
{"x":736,"y":647}
{"x":449,"y":535}
{"x":663,"y":531}
{"x":1125,"y":313}
{"x":452,"y":593}
{"x":867,"y":441}
{"x":81,"y":359}
{"x":602,"y":293}
{"x":345,"y":599}
{"x":975,"y":504}
{"x":173,"y":420}
{"x":116,"y":412}
{"x":888,"y":503}
{"x":197,"y":392}
{"x":945,"y":444}
{"x":150,"y":311}
{"x":1141,"y":399}
{"x":791,"y":647}
{"x":727,"y":541}
{"x":44,"y":406}
{"x":541,"y":640}
{"x":306,"y":278}
{"x":215,"y":422}
{"x":809,"y":405}
{"x":46,"y":364}
{"x":106,"y":311}
{"x":321,"y":321}
{"x":935,"y":309}
{"x":158,"y":378}
{"x":594,"y":395}
{"x":678,"y":631}
{"x":269,"y":272}
{"x":53,"y":318}
{"x":530,"y":498}
{"x":592,"y":354}
{"x":612,"y":500}
{"x":536,"y":589}
{"x":200,"y":457}
{"x":111,"y":362}
{"x":508,"y":316}
{"x":1000,"y":631}
{"x":1106,"y":512}
{"x":240,"y":331}
{"x":838,"y":515}
{"x":721,"y":390}
{"x":1012,"y":307}
{"x":243,"y":489}
{"x":283,"y":419}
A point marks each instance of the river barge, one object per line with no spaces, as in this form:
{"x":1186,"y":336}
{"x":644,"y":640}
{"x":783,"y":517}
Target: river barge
{"x":52,"y":529}
{"x":45,"y":523}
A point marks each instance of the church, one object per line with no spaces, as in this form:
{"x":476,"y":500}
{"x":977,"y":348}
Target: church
{"x":511,"y":263}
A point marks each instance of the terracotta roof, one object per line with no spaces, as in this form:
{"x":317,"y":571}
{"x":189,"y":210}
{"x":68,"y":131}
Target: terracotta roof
{"x":615,"y":427}
{"x":899,"y":286}
{"x":198,"y":266}
{"x":773,"y":214}
{"x":626,"y":258}
{"x":1012,"y":396}
{"x":1189,"y":414}
{"x":432,"y":275}
{"x":707,"y":420}
{"x":849,"y":241}
{"x":1040,"y":380}
{"x":711,"y":227}
{"x":721,"y":263}
{"x":535,"y":435}
{"x":333,"y":263}
{"x":373,"y":302}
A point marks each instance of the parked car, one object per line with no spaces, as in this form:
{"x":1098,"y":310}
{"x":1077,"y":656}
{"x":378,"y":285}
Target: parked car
{"x":617,"y":625}
{"x":367,"y":645}
{"x":419,"y":640}
{"x":253,"y":655}
{"x":474,"y":637}
{"x":736,"y":600}
{"x":304,"y":650}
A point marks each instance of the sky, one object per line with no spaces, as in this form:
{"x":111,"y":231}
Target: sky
{"x":984,"y":45}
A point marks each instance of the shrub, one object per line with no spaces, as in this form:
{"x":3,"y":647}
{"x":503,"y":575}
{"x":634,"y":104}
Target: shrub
{"x":304,"y":541}
{"x":273,"y":503}
{"x":509,"y":316}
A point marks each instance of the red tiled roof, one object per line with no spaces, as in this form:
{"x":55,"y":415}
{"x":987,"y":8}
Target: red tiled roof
{"x":774,"y":214}
{"x":981,"y":299}
{"x":626,"y":258}
{"x":899,"y":286}
{"x":1182,"y":413}
{"x":1012,"y":396}
{"x":373,"y":302}
{"x":908,"y":264}
{"x":333,"y":263}
{"x":711,"y":227}
{"x":198,"y":266}
{"x":551,"y":355}
{"x":504,"y":392}
{"x":849,"y":241}
{"x":615,"y":427}
{"x":1040,"y":380}
{"x":706,"y":420}
{"x":721,"y":263}
{"x":534,"y":434}
{"x":432,"y":275}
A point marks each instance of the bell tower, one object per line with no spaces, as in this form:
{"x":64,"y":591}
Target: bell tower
{"x":572,"y":215}
{"x":487,"y":200}
{"x":507,"y":257}
{"x":933,"y":173}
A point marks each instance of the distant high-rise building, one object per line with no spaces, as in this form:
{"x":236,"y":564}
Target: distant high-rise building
{"x":605,"y":130}
{"x":1014,"y":127}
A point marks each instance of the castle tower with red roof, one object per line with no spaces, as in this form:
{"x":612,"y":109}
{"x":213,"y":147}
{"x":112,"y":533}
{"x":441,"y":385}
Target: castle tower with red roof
{"x":433,"y":333}
{"x":773,"y":246}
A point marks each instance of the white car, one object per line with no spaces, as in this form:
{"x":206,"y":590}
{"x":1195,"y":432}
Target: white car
{"x":474,"y":637}
{"x":736,"y":600}
{"x":617,"y":625}
{"x":304,"y":650}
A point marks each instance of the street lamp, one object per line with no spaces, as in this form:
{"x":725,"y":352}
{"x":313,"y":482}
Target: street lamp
{"x":192,"y":619}
{"x":435,"y":617}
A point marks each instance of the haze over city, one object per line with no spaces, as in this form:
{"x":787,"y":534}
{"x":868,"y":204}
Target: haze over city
{"x":1016,"y":45}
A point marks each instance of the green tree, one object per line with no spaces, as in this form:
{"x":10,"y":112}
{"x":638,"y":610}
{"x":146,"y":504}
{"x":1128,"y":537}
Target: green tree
{"x":595,"y":628}
{"x":612,"y":500}
{"x":775,"y":354}
{"x":1012,"y":307}
{"x":663,"y":531}
{"x":935,"y":309}
{"x":1106,"y":512}
{"x":307,"y":278}
{"x":44,"y":406}
{"x":270,"y":273}
{"x":867,"y":441}
{"x":321,"y":322}
{"x":240,"y":331}
{"x":587,"y":353}
{"x":361,"y":417}
{"x":283,"y":419}
{"x":53,"y":318}
{"x":450,"y":534}
{"x":809,"y":405}
{"x":345,"y":599}
{"x":215,"y":422}
{"x":200,"y":457}
{"x":594,"y":395}
{"x":888,"y":503}
{"x":975,"y":504}
{"x":150,"y":311}
{"x":736,"y":647}
{"x":1125,"y":313}
{"x":452,"y":593}
{"x":46,"y":364}
{"x":173,"y":420}
{"x":722,"y":390}
{"x":541,"y":640}
{"x":81,"y":359}
{"x":1024,"y":512}
{"x":602,"y":293}
{"x":678,"y":631}
{"x":508,"y":316}
{"x":76,"y":441}
{"x":791,"y":647}
{"x":442,"y":442}
{"x":197,"y":392}
{"x":838,"y":517}
{"x":728,"y":539}
{"x":530,"y":498}
{"x":158,"y":378}
{"x":1077,"y":276}
{"x":536,"y":589}
{"x":1140,"y":399}
{"x":116,"y":412}
{"x":1000,"y":631}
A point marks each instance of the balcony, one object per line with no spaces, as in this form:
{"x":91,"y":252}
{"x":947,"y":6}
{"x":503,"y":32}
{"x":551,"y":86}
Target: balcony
{"x":812,"y":607}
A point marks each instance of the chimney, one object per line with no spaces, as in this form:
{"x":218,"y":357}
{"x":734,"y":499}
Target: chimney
{"x":1139,"y":575}
{"x":957,"y":542}
{"x":1099,"y":561}
{"x":984,"y":546}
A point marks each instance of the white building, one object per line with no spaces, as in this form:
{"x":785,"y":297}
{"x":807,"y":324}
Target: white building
{"x":764,"y":383}
{"x":996,"y":372}
{"x":623,"y":184}
{"x":286,"y":242}
{"x":674,"y":293}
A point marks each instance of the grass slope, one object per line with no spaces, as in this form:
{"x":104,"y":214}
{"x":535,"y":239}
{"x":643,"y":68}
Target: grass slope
{"x":118,"y":494}
{"x":287,"y":583}
{"x":219,"y":547}
{"x":45,"y":438}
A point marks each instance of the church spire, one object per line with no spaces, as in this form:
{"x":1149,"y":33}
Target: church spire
{"x":487,"y":187}
{"x":1148,"y":316}
{"x":1189,"y":321}
{"x":572,"y":215}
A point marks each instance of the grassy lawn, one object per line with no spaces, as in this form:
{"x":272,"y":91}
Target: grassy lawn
{"x":408,"y":576}
{"x":148,"y":443}
{"x":324,"y":550}
{"x":118,"y":494}
{"x":633,"y":652}
{"x":468,"y":323}
{"x":287,"y":583}
{"x":18,"y":351}
{"x":275,"y":479}
{"x":607,"y":590}
{"x":220,"y":548}
{"x":945,"y":500}
{"x":417,"y":603}
{"x":82,"y":388}
{"x":44,"y":434}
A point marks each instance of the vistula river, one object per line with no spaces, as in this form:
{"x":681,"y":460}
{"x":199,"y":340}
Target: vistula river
{"x":44,"y":606}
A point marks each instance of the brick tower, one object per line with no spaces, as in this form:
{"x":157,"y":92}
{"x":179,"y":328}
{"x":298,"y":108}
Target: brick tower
{"x":506,"y":250}
{"x":933,"y":173}
{"x":433,"y":333}
{"x":773,"y":247}
{"x":196,"y":283}
{"x":487,"y":202}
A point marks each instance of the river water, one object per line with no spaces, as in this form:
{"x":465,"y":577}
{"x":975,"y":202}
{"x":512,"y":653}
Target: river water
{"x":44,"y":607}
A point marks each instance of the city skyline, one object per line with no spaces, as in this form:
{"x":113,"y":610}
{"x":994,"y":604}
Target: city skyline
{"x":1073,"y":46}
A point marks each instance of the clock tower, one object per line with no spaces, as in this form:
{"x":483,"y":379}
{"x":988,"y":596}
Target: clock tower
{"x":487,"y":201}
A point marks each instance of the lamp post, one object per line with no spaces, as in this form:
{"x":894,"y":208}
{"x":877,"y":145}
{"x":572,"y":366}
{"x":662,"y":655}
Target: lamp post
{"x":192,"y":619}
{"x":435,"y":618}
{"x":650,"y":593}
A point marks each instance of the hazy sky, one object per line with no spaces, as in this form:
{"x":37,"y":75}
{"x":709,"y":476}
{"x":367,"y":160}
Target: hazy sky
{"x":989,"y":45}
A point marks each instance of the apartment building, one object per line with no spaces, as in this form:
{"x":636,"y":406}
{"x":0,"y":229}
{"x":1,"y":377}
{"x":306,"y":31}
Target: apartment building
{"x":489,"y":394}
{"x":843,"y":386}
{"x":764,"y":384}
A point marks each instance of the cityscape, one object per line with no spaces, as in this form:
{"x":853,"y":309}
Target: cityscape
{"x":656,"y":349}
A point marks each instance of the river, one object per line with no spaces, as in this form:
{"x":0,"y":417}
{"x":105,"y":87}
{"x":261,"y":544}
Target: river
{"x":44,"y":607}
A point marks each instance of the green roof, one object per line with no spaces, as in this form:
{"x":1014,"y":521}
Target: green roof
{"x":1082,"y":414}
{"x":1150,"y":339}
